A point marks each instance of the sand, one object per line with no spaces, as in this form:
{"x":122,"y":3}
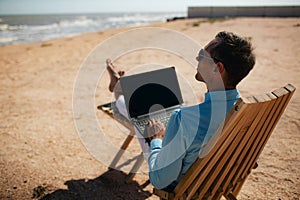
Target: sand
{"x":42,"y":152}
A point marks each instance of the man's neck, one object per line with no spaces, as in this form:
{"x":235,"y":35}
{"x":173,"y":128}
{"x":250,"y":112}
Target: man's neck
{"x":222,"y":88}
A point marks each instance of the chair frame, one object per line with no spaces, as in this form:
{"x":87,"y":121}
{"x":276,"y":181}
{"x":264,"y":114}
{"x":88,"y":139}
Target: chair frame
{"x":111,"y":111}
{"x":243,"y":135}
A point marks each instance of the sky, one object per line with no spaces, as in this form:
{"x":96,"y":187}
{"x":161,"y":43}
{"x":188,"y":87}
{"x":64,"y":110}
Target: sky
{"x":100,"y":6}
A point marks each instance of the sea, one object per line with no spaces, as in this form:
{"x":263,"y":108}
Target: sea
{"x":16,"y":29}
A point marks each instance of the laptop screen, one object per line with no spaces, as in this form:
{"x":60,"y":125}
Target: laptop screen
{"x":152,"y":91}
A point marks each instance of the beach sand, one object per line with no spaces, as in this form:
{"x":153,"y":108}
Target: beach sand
{"x":42,"y":153}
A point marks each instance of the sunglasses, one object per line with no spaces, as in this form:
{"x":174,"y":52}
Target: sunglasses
{"x":203,"y":54}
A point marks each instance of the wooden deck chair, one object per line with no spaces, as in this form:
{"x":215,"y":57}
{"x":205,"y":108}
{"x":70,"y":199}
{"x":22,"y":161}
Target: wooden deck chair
{"x":110,"y":110}
{"x":223,"y":171}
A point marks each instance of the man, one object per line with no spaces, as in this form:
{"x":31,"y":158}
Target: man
{"x":222,"y":64}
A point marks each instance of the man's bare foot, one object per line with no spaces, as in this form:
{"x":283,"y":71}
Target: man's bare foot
{"x":114,"y":76}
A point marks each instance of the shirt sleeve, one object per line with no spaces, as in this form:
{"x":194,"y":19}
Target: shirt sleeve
{"x":165,"y":159}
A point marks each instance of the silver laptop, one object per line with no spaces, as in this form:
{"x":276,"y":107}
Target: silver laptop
{"x":151,"y":95}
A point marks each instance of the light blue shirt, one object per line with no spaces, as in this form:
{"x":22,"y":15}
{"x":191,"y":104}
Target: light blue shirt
{"x":187,"y":132}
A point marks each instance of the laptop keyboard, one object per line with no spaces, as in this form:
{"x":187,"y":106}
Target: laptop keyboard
{"x":164,"y":119}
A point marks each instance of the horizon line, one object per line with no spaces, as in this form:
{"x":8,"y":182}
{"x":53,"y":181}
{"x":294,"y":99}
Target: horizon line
{"x":150,"y":11}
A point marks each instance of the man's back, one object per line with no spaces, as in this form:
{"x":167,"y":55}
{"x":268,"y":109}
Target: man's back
{"x":188,"y":131}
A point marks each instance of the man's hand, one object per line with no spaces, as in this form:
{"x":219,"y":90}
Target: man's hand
{"x":155,"y":129}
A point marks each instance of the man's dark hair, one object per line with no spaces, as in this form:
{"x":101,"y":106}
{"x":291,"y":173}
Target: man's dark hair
{"x":236,"y":55}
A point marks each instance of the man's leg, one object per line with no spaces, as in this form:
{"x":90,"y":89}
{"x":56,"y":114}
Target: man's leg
{"x":120,"y":104}
{"x":114,"y":86}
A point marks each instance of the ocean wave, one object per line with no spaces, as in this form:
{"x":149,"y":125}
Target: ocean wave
{"x":8,"y":39}
{"x":129,"y":18}
{"x":77,"y":23}
{"x":6,"y":27}
{"x":61,"y":24}
{"x":37,"y":28}
{"x":42,"y":27}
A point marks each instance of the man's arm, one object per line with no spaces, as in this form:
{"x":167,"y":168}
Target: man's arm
{"x":166,"y":156}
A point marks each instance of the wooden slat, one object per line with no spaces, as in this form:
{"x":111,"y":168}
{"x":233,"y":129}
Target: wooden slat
{"x":194,"y":170}
{"x":280,"y":92}
{"x":230,"y":196}
{"x":239,"y":150}
{"x":290,"y":88}
{"x":261,"y":98}
{"x":260,"y":123}
{"x":229,"y":128}
{"x":228,"y":154}
{"x":163,"y":194}
{"x":206,"y":172}
{"x":281,"y":103}
{"x":233,"y":114}
{"x":268,"y":127}
{"x":251,"y":136}
{"x":121,"y":151}
{"x":246,"y":163}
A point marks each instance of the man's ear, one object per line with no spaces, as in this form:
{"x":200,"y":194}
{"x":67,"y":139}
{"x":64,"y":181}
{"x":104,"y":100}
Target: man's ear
{"x":219,"y":67}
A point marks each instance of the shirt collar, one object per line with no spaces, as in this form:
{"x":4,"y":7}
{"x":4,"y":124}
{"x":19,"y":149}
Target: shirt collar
{"x":222,"y":95}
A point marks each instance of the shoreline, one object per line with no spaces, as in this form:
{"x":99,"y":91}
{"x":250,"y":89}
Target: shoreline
{"x":191,"y":21}
{"x":29,"y":28}
{"x":39,"y":139}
